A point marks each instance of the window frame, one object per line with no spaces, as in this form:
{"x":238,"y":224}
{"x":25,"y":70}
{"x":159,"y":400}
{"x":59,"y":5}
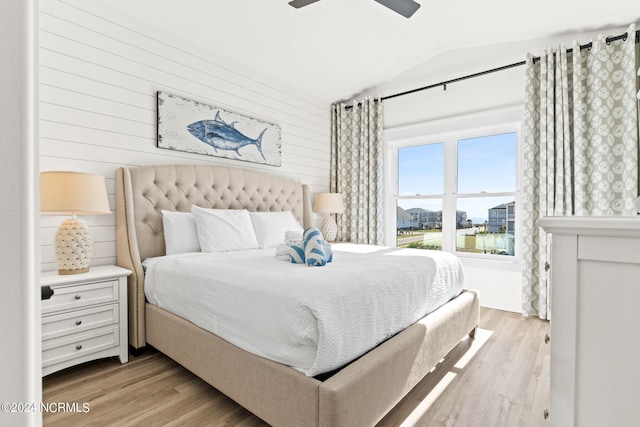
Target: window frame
{"x":450,"y":196}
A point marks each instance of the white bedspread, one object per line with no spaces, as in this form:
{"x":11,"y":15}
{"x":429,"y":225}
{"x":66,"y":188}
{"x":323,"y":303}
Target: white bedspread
{"x":315,"y":319}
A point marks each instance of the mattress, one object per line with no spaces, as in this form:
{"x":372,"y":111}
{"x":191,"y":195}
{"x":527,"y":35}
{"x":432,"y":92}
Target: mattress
{"x":314,"y":319}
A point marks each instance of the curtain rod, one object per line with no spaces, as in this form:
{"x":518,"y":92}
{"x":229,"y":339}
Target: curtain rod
{"x":493,"y":70}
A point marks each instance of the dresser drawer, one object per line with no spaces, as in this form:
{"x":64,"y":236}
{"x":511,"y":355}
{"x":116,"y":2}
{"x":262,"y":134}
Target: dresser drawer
{"x":70,"y":297}
{"x":71,"y":322}
{"x":73,"y":346}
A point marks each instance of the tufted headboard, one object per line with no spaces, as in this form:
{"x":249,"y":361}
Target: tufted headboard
{"x":142,"y":192}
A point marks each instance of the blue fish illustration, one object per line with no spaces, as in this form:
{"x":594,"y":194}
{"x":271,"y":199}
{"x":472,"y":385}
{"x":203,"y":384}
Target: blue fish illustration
{"x":224,"y":136}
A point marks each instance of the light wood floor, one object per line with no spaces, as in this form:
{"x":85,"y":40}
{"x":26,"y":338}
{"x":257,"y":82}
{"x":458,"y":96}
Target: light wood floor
{"x":501,"y":378}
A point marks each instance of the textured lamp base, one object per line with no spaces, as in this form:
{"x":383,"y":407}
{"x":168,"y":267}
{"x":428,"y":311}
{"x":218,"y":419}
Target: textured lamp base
{"x":67,"y":272}
{"x":329,"y":228}
{"x":73,"y":247}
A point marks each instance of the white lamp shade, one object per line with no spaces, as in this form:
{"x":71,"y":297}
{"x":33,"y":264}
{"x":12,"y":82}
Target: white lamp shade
{"x":329,"y":203}
{"x":65,"y":193}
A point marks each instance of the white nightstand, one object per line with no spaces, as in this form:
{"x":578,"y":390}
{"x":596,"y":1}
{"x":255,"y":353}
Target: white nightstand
{"x":85,"y":319}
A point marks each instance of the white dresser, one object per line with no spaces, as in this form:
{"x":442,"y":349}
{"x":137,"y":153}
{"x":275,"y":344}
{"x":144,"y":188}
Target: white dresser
{"x":595,"y":321}
{"x":85,"y":319}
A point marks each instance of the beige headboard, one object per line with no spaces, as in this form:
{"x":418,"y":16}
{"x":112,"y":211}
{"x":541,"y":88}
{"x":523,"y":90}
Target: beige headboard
{"x":142,"y":192}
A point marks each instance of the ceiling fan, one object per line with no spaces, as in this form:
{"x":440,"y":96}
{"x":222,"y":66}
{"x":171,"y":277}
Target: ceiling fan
{"x":405,"y":8}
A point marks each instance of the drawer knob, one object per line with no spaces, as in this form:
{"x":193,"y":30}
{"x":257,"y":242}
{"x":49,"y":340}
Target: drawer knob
{"x":79,"y":347}
{"x":77,"y":297}
{"x":78,"y":322}
{"x":546,"y":338}
{"x":546,"y":414}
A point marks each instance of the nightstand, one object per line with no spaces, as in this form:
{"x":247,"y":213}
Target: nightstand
{"x":85,"y":319}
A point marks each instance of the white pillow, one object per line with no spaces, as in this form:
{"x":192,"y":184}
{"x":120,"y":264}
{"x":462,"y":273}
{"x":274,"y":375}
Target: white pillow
{"x":271,"y":227}
{"x":180,"y":233}
{"x":221,"y":230}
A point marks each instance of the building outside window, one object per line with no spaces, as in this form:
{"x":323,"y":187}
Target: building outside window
{"x":498,"y":218}
{"x":405,"y":222}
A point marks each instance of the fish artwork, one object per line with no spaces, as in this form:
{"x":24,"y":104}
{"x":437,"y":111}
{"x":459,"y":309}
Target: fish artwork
{"x":198,"y":128}
{"x":224,"y":136}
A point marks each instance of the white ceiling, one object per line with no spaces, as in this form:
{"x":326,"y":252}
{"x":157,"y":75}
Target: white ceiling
{"x":335,"y":49}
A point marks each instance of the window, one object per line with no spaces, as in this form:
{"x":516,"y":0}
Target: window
{"x":459,"y":192}
{"x":420,"y":203}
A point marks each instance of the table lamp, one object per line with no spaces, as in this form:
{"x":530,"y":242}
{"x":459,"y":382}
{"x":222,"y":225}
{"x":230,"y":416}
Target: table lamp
{"x":73,"y":193}
{"x":329,"y":203}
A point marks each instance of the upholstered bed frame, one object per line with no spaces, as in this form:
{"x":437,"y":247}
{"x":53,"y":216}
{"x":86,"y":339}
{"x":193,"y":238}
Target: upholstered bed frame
{"x":360,"y":394}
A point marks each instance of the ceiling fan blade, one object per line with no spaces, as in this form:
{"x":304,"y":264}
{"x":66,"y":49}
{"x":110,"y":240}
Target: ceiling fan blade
{"x":301,"y":3}
{"x":405,"y":8}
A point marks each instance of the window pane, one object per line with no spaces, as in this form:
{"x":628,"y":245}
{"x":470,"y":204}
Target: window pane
{"x":421,"y":170}
{"x":419,"y":224}
{"x":487,"y":164}
{"x":490,"y":225}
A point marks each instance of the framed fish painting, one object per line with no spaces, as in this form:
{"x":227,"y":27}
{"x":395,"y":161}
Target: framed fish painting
{"x":194,"y":127}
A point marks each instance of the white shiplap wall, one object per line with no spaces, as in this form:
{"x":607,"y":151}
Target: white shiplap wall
{"x":99,"y":74}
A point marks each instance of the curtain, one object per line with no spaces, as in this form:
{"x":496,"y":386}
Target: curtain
{"x":580,"y":146}
{"x":357,"y":168}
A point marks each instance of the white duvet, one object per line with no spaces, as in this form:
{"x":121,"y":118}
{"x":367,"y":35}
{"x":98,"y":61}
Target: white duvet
{"x":314,"y":319}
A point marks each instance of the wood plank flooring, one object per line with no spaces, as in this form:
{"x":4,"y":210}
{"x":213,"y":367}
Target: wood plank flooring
{"x":501,"y":378}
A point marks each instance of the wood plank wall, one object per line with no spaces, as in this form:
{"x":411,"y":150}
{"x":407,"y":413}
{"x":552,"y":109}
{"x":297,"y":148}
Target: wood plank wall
{"x":99,"y":74}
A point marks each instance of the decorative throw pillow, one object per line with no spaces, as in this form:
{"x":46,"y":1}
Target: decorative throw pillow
{"x":271,"y":227}
{"x":314,"y":252}
{"x":180,"y":233}
{"x":221,"y":230}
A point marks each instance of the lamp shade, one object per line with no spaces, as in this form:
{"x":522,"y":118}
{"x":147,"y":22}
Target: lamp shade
{"x":64,"y":193}
{"x":73,"y":193}
{"x":329,"y":203}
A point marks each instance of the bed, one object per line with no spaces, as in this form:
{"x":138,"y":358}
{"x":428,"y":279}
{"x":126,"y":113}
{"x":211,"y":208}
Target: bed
{"x":358,"y":394}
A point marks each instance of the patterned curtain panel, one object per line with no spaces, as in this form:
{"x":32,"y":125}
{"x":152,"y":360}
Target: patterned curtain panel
{"x":356,"y":170}
{"x":580,"y":146}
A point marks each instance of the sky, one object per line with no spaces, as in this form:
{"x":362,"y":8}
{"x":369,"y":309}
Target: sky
{"x":485,"y":165}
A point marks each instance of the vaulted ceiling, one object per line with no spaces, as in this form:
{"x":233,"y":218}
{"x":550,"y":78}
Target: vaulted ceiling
{"x":334,"y":49}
